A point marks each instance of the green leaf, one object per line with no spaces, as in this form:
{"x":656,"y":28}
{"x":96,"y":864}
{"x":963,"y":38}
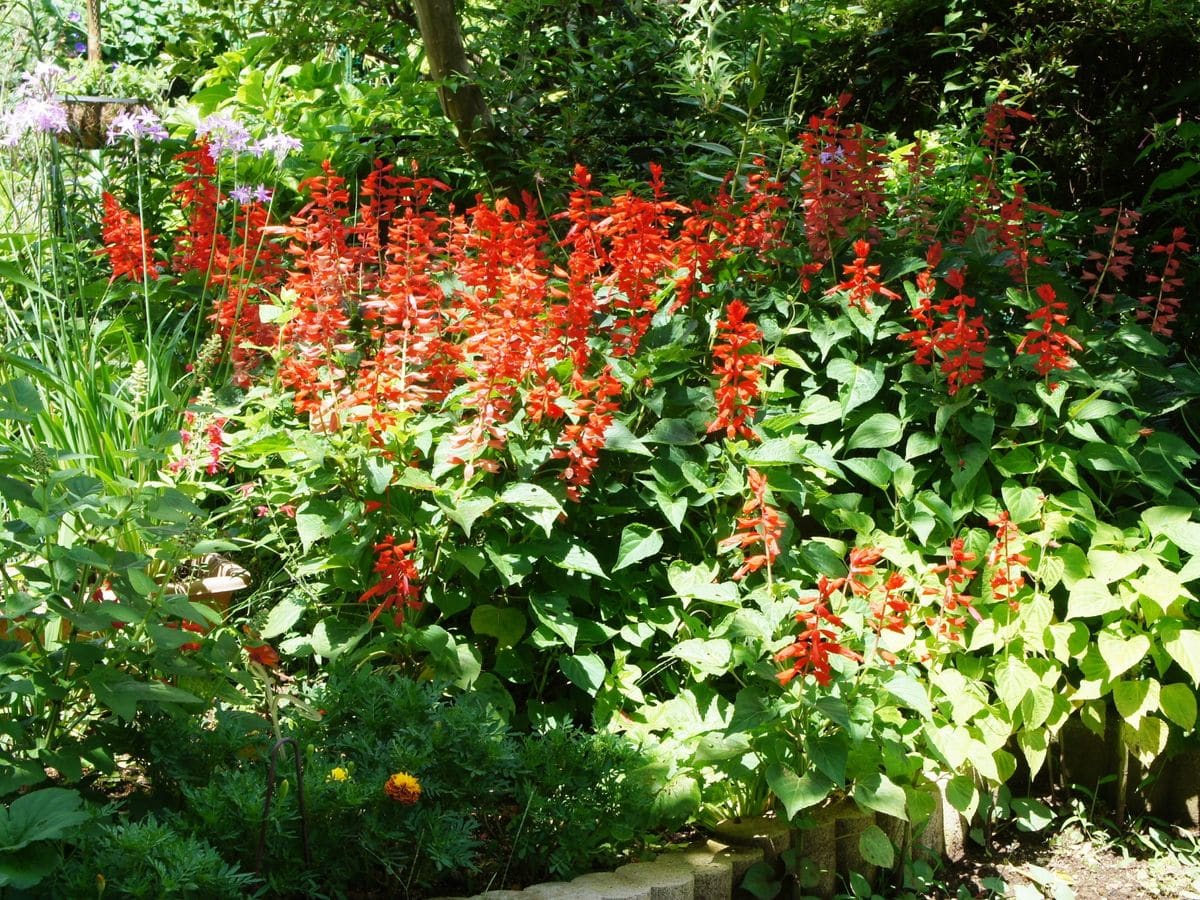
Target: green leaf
{"x":584,"y":670}
{"x":30,"y":866}
{"x":1178,"y":702}
{"x":880,"y":793}
{"x":638,"y":542}
{"x":1030,"y":814}
{"x":1121,"y":655}
{"x":505,"y":624}
{"x":676,"y":432}
{"x":761,"y":882}
{"x":44,"y":815}
{"x":620,"y":439}
{"x":535,"y":503}
{"x":776,"y":452}
{"x":1148,"y":740}
{"x":1090,"y":597}
{"x":1184,"y":647}
{"x":708,"y":657}
{"x":465,"y":510}
{"x":870,"y":470}
{"x":283,"y":616}
{"x":829,"y":754}
{"x":574,"y":558}
{"x":880,"y":430}
{"x":316,"y":520}
{"x":908,"y":691}
{"x":857,"y":385}
{"x":796,"y":792}
{"x":962,"y":794}
{"x":1024,"y":503}
{"x":875,"y":847}
{"x":1135,"y":699}
{"x":553,"y":611}
{"x":700,"y":582}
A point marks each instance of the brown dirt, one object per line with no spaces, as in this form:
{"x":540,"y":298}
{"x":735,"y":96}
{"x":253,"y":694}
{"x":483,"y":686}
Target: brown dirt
{"x":1074,"y":865}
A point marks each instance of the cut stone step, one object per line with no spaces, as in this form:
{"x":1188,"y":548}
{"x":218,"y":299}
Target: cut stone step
{"x":612,"y":886}
{"x":560,"y":890}
{"x":771,"y":836}
{"x":712,"y":876}
{"x":666,"y":881}
{"x":740,"y":858}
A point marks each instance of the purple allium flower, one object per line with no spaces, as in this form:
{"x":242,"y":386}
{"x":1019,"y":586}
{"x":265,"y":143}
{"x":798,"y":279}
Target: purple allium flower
{"x":42,"y":82}
{"x":240,"y":194}
{"x":263,"y":194}
{"x":38,"y":107}
{"x":224,"y":133}
{"x":138,"y":123}
{"x":74,"y":16}
{"x":279,"y":144}
{"x":33,"y":114}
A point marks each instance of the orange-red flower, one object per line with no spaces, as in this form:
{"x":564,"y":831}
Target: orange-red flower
{"x":1048,"y":342}
{"x":760,"y":524}
{"x":398,"y":585}
{"x":740,"y":368}
{"x":263,"y":654}
{"x":862,"y":281}
{"x":128,"y":246}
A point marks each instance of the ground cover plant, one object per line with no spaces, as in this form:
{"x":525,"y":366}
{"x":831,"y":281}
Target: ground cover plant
{"x":858,"y":472}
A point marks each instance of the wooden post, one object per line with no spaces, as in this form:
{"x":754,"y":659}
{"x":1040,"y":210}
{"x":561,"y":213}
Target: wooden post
{"x":93,"y":30}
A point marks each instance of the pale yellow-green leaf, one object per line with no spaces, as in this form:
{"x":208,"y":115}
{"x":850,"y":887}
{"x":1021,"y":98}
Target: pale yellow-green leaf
{"x":1122,"y":655}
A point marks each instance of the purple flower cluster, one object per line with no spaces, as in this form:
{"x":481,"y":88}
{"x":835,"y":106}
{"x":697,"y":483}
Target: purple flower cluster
{"x":227,"y":135}
{"x":38,"y":108}
{"x":138,"y":124}
{"x":278,"y":144}
{"x":224,"y":135}
{"x":243,"y":194}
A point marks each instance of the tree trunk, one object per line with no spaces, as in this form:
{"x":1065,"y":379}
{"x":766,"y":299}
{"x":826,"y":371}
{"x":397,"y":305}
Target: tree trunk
{"x":461,"y":99}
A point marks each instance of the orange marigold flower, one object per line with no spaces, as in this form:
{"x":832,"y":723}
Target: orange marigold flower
{"x":403,"y":788}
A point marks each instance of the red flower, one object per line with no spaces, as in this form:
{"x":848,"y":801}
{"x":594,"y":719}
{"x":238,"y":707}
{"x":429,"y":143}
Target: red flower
{"x":1008,"y":562}
{"x":843,"y":180}
{"x":582,"y":441}
{"x":862,"y":564}
{"x":949,"y":333}
{"x":263,"y":654}
{"x":1116,"y":263}
{"x":202,"y":247}
{"x":862,"y":283}
{"x":398,"y":585}
{"x":1050,"y":345}
{"x":760,"y":524}
{"x":891,"y":613}
{"x":1162,"y":308}
{"x":128,"y":246}
{"x":951,"y":593}
{"x":810,"y":651}
{"x":740,"y":369}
